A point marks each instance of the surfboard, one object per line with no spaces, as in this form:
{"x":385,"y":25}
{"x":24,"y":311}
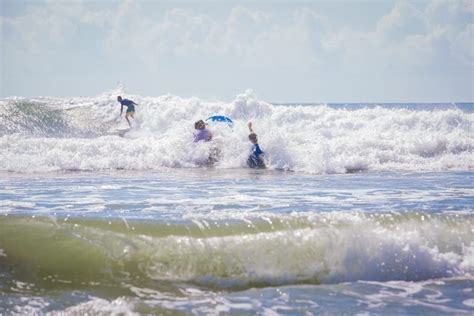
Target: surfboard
{"x":122,"y":131}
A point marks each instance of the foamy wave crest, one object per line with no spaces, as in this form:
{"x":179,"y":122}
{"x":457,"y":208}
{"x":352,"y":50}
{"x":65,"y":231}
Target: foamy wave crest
{"x":47,"y":134}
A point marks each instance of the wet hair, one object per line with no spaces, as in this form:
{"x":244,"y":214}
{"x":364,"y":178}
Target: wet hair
{"x":253,"y":137}
{"x":199,"y":124}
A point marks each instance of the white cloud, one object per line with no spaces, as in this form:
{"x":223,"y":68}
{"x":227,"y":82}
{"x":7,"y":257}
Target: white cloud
{"x":254,"y":37}
{"x":261,"y":40}
{"x":406,"y":35}
{"x":463,"y":45}
{"x":404,"y":20}
{"x":53,"y":24}
{"x":455,"y":13}
{"x":146,"y":38}
{"x":409,"y":37}
{"x":178,"y":33}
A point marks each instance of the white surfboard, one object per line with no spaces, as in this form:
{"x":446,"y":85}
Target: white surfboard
{"x":122,"y":131}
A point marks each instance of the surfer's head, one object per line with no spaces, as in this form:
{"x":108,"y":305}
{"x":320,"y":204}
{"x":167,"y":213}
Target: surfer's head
{"x":200,"y":125}
{"x":253,"y":138}
{"x":119,"y":98}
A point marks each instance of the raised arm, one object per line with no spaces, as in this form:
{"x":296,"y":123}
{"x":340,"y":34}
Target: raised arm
{"x":250,"y":127}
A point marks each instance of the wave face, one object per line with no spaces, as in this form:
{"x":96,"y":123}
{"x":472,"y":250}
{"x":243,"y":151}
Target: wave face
{"x":55,"y":134}
{"x":318,"y":249}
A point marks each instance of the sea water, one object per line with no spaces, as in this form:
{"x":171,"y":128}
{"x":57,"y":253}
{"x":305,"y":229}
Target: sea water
{"x":363,"y":209}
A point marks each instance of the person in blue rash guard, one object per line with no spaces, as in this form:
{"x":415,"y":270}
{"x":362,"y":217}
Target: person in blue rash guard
{"x":255,"y":159}
{"x":130,"y":108}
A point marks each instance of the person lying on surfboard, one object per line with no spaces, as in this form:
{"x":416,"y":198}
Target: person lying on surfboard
{"x":256,"y":156}
{"x":201,"y":133}
{"x":130,"y":108}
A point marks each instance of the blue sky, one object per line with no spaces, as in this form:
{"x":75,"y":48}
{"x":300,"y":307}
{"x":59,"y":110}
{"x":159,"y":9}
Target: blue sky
{"x":285,"y":51}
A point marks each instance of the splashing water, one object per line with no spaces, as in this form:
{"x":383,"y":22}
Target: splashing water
{"x":47,"y":134}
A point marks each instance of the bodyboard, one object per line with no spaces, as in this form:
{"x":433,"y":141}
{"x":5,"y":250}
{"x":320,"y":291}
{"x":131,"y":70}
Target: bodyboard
{"x":221,"y":119}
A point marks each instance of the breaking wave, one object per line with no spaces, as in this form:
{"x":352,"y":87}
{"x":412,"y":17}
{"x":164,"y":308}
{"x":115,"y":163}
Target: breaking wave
{"x":56,"y":134}
{"x":316,"y":249}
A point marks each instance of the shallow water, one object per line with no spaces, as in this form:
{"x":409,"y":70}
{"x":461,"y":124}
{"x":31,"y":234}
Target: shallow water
{"x":209,"y":241}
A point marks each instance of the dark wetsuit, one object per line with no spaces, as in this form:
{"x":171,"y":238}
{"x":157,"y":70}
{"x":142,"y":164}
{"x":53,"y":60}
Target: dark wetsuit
{"x":254,"y":160}
{"x":129,"y":104}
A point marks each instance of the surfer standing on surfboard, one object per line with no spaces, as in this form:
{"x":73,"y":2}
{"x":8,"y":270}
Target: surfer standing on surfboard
{"x":130,"y":108}
{"x":255,"y":159}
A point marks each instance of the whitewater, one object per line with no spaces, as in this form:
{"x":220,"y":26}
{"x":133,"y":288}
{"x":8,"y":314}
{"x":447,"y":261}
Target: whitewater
{"x":364,"y":209}
{"x":54,"y":134}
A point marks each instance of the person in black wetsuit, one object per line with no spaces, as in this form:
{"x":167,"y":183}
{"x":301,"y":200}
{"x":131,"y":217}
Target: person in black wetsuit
{"x":256,"y":157}
{"x":130,"y":108}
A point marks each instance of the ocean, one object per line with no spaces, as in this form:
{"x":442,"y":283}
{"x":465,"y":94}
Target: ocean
{"x":364,"y":209}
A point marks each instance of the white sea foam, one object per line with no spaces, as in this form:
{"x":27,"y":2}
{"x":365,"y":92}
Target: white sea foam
{"x":95,"y":305}
{"x":469,"y":302}
{"x":46,"y":134}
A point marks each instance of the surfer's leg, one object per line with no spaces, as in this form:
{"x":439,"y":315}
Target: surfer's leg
{"x":251,"y":162}
{"x":214,"y":154}
{"x":129,"y":114}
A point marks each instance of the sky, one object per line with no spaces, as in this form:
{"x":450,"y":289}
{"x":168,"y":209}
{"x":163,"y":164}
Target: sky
{"x":285,"y":51}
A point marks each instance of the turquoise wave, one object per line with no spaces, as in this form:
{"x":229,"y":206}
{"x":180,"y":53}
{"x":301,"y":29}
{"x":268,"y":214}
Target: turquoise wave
{"x":51,"y":252}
